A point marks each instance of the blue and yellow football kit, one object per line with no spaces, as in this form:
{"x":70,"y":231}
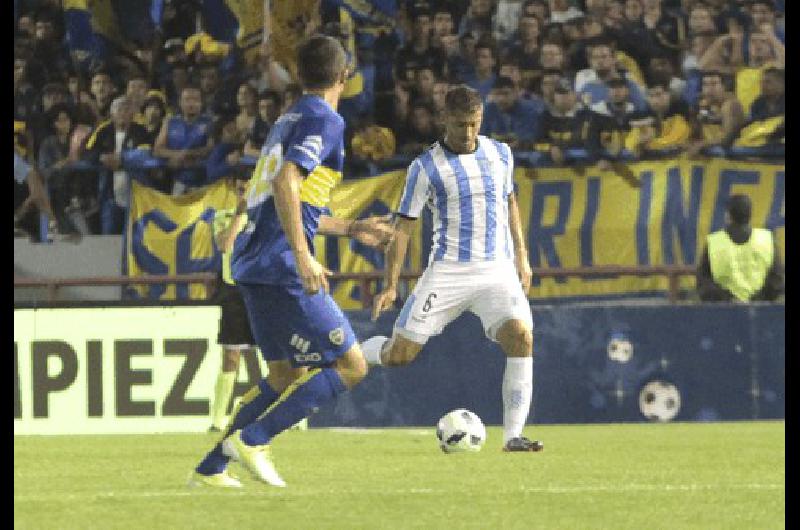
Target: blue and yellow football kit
{"x":287,"y":323}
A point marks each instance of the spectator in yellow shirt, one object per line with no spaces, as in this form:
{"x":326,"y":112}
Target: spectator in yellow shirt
{"x":718,"y":116}
{"x":664,"y":127}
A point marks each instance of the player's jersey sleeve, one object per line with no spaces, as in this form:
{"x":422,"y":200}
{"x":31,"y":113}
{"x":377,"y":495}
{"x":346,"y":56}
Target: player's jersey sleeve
{"x":508,"y":181}
{"x":312,"y":140}
{"x":416,"y":191}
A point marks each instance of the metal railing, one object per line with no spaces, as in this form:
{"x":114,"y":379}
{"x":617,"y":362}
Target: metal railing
{"x":52,"y":285}
{"x":366,"y":280}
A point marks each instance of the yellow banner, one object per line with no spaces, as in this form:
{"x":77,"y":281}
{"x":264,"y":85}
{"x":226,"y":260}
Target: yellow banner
{"x":173,"y":235}
{"x":353,"y":200}
{"x":250,"y":16}
{"x":652,"y":213}
{"x":648,"y":213}
{"x":291,"y":23}
{"x":659,"y":213}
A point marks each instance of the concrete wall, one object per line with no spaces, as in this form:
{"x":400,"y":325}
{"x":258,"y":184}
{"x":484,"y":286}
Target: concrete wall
{"x":592,"y":364}
{"x":93,"y":256}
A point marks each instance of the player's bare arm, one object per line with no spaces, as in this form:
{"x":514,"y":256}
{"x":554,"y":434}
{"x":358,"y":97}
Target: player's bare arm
{"x":395,"y":257}
{"x":520,"y":250}
{"x":375,"y":231}
{"x":225,"y":238}
{"x":286,"y":188}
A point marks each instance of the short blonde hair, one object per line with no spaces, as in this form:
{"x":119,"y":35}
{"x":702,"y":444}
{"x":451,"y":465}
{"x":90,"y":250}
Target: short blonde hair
{"x":462,"y":99}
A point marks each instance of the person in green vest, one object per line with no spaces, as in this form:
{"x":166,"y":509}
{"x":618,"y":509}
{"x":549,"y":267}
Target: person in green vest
{"x":740,"y":263}
{"x":234,"y":335}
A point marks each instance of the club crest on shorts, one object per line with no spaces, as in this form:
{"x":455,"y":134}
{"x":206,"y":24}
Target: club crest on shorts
{"x":337,"y":336}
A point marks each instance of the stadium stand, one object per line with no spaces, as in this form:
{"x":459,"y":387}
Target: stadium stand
{"x":608,"y":82}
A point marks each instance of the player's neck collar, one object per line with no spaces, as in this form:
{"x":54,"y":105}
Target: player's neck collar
{"x":449,"y":150}
{"x":321,"y":96}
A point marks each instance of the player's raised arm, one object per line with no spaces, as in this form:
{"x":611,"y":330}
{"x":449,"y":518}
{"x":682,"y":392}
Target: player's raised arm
{"x":286,"y":188}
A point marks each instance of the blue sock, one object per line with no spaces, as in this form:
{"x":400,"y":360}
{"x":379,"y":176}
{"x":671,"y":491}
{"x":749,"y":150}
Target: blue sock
{"x":252,"y":405}
{"x":303,"y":397}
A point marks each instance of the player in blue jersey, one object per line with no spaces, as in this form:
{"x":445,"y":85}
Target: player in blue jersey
{"x":310,"y":348}
{"x":478,"y":261}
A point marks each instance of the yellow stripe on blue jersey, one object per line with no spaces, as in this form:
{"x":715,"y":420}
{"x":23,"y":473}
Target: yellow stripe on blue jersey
{"x":260,"y":185}
{"x":316,"y":188}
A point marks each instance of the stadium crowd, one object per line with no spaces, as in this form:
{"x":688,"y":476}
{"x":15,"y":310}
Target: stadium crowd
{"x":565,"y":82}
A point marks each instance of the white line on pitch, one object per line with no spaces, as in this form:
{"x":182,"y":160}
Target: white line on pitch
{"x":264,"y":491}
{"x":357,"y":430}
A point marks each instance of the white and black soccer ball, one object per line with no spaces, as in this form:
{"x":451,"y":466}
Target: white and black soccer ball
{"x":620,"y":349}
{"x":460,"y":431}
{"x":659,"y":401}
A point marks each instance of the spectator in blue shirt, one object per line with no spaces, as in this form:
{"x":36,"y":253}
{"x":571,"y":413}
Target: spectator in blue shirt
{"x":223,"y":162}
{"x":419,"y":49}
{"x":460,"y":63}
{"x":510,"y":118}
{"x":269,"y":109}
{"x":591,"y":83}
{"x":595,"y":92}
{"x":483,"y":78}
{"x":185,"y":142}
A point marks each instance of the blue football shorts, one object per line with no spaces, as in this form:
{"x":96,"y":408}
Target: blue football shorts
{"x":288,"y":324}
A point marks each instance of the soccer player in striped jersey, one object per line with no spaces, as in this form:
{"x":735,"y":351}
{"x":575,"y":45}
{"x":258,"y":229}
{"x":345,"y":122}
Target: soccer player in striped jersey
{"x":478,"y":261}
{"x":310,"y":348}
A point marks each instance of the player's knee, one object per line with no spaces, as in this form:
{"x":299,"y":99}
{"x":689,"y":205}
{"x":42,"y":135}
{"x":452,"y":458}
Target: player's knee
{"x":401,"y":354}
{"x":230,"y":360}
{"x":516,"y":339}
{"x":282,"y":375}
{"x":278,"y":383}
{"x":526,"y":343}
{"x":352,"y":370}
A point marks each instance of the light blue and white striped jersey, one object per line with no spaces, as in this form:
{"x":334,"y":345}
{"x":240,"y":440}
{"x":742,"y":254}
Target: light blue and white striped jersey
{"x":468,"y":196}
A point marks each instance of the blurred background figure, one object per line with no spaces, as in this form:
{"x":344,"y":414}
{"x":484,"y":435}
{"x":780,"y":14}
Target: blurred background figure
{"x":740,"y":263}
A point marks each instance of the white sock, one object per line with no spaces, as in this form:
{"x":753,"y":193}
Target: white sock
{"x":372,"y":349}
{"x":517,"y":392}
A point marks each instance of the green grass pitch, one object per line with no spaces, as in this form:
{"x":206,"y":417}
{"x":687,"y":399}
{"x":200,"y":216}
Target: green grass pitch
{"x":705,"y":476}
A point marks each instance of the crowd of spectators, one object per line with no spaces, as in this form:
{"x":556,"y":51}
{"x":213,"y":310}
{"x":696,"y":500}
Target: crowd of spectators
{"x":564,"y":82}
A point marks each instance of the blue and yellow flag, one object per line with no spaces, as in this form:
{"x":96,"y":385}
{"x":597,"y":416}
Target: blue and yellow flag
{"x":358,"y":199}
{"x":235,"y":21}
{"x":173,"y":235}
{"x":96,"y":27}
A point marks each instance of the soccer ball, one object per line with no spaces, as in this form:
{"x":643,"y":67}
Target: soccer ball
{"x":460,"y":431}
{"x":659,"y":401}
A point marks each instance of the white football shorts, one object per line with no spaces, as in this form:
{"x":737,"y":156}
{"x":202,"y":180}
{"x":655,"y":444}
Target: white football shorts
{"x":489,"y":289}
